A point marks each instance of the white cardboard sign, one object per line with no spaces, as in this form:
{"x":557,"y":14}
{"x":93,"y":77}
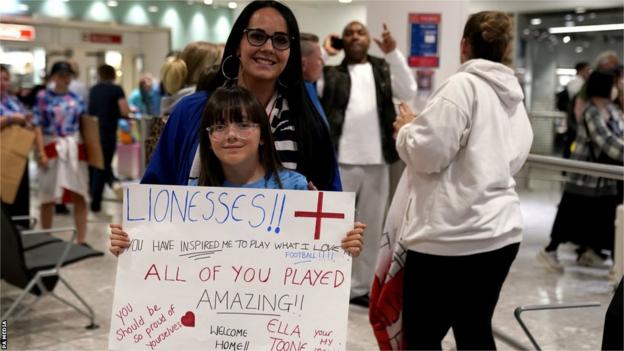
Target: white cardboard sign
{"x":232,"y":269}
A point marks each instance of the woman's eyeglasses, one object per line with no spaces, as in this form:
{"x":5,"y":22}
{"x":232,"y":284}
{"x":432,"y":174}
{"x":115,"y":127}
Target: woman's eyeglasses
{"x":242,"y":129}
{"x":257,"y":37}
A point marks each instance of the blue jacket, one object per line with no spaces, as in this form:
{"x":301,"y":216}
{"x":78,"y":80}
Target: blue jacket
{"x":311,"y":88}
{"x":172,"y":160}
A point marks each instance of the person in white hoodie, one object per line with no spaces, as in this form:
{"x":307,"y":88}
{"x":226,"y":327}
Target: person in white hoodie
{"x":462,"y":224}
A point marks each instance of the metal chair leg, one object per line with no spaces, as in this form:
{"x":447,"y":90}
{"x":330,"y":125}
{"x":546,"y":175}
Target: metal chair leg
{"x":89,"y":313}
{"x":27,"y":308}
{"x":519,"y":310}
{"x":26,"y":291}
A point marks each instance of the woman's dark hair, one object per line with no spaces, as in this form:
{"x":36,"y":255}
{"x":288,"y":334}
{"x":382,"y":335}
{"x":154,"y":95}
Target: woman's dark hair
{"x":580,"y":66}
{"x":489,"y":35}
{"x":599,"y":84}
{"x":107,"y":72}
{"x":228,"y":105}
{"x":314,"y":146}
{"x":4,"y":68}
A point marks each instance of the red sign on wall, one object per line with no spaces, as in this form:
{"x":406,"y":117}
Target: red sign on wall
{"x":16,"y":32}
{"x":424,"y":61}
{"x":102,"y":38}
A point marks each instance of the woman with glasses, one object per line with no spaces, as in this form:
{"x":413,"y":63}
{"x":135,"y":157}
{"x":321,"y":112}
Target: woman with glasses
{"x":263,"y":55}
{"x":237,"y":150}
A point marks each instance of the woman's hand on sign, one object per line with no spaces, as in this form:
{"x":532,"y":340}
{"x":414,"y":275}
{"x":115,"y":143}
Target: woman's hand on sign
{"x":119,"y":240}
{"x":354,"y":240}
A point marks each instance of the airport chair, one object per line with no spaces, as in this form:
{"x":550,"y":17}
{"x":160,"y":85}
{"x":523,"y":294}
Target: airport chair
{"x":33,"y":240}
{"x":519,"y":345}
{"x":38,"y":269}
{"x":20,"y":220}
{"x":520,"y":309}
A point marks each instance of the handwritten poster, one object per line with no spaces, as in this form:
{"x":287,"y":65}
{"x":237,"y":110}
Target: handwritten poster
{"x":232,"y":269}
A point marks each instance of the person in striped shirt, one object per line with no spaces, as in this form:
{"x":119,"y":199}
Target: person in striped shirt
{"x":262,"y":54}
{"x":236,"y":151}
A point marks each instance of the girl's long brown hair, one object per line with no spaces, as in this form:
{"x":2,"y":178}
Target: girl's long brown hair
{"x":229,"y":105}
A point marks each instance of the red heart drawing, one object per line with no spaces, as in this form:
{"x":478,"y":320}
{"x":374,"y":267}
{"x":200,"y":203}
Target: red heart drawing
{"x":188,"y":320}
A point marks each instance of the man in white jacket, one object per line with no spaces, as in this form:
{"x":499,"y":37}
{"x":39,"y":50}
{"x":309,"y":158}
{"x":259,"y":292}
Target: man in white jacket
{"x":462,"y":224}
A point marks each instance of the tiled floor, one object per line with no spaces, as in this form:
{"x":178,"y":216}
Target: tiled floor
{"x":53,"y":326}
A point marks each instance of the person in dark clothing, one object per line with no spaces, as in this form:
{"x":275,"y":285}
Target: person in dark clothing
{"x":599,"y":139}
{"x":574,"y":87}
{"x":612,"y":335}
{"x":107,"y":102}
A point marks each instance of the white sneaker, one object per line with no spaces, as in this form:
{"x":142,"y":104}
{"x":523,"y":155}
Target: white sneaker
{"x":550,"y":260}
{"x":589,"y":258}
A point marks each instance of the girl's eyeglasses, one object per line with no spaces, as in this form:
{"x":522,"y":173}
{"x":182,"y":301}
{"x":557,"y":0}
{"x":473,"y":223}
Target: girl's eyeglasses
{"x":257,"y":37}
{"x":242,"y":129}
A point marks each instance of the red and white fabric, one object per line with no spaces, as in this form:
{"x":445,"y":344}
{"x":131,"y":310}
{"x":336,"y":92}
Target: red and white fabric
{"x":67,"y":170}
{"x":386,"y":298}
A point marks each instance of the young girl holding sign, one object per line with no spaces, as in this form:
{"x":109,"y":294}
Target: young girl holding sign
{"x":237,"y":150}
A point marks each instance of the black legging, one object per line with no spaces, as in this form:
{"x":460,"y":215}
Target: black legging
{"x":584,"y":220}
{"x":98,"y":178}
{"x":21,"y":205}
{"x":459,"y":292}
{"x":612,"y":335}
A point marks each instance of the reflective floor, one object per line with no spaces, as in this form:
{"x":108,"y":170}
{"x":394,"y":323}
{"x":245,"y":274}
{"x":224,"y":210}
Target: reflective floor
{"x":53,"y":326}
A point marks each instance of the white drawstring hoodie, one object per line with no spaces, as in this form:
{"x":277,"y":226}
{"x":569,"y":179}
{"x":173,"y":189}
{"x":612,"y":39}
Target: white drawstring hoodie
{"x":461,"y":154}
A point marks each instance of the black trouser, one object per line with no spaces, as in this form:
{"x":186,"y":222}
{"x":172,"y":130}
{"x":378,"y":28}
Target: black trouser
{"x":459,"y":292}
{"x":98,"y":178}
{"x":584,"y":220}
{"x":613,"y":333}
{"x":21,"y":205}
